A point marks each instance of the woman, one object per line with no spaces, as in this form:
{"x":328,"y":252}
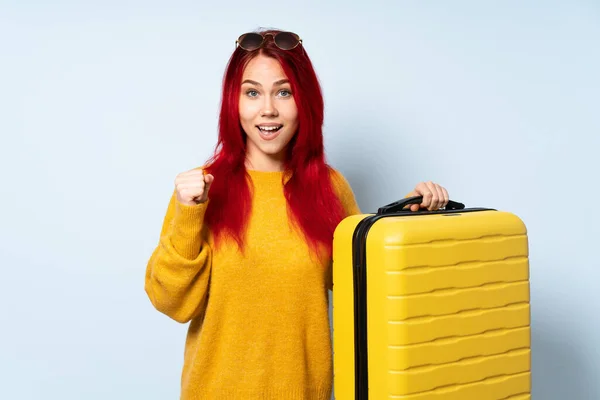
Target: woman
{"x":245,"y":247}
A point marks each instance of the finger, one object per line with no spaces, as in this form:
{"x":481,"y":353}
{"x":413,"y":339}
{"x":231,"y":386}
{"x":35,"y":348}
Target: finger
{"x":189,"y":178}
{"x":191,"y":192}
{"x":434,"y":196}
{"x":208,"y":180}
{"x":446,"y":196}
{"x":422,"y":190}
{"x":190,"y":182}
{"x":192,"y":173}
{"x":194,"y":185}
{"x":440,"y":196}
{"x":414,"y":207}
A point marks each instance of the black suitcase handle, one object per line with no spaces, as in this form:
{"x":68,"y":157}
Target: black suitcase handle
{"x":400,"y":204}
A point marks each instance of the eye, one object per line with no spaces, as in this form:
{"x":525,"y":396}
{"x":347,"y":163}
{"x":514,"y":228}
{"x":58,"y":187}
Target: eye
{"x":251,"y":93}
{"x":285,"y":93}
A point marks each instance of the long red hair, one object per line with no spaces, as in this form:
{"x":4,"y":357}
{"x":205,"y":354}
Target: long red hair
{"x":312,"y":202}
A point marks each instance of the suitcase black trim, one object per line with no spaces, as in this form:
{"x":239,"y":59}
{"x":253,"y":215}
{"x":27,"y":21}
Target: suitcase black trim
{"x":359,"y":261}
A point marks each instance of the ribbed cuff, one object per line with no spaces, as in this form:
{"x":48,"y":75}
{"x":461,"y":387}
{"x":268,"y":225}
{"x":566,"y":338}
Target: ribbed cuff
{"x":281,"y":393}
{"x":187,"y":228}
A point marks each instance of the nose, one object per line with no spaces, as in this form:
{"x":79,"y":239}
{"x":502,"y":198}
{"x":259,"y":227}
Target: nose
{"x":268,"y":108}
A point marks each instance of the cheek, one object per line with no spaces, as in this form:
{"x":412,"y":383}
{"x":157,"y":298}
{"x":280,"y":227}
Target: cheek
{"x":291,"y":113}
{"x":247,"y":111}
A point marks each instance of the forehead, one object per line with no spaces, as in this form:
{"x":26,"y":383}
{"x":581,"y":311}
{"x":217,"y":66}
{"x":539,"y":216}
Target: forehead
{"x":263,"y":69}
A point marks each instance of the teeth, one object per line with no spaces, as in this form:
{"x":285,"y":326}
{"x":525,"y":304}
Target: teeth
{"x":269,"y":128}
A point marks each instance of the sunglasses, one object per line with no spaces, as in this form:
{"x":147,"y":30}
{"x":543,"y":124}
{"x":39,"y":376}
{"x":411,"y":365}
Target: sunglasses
{"x":283,"y":40}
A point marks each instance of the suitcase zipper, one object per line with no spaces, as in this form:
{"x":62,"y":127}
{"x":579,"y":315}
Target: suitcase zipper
{"x":359,"y":258}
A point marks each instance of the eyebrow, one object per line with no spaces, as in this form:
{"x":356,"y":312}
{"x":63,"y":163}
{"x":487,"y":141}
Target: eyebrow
{"x":277,"y":83}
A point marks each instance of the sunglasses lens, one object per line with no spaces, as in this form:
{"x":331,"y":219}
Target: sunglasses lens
{"x":286,"y":40}
{"x":250,"y":41}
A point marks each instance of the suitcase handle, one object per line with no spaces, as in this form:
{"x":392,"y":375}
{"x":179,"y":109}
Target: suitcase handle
{"x":400,"y":204}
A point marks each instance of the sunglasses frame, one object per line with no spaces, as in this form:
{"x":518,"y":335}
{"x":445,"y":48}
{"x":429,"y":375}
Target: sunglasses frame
{"x":238,"y":42}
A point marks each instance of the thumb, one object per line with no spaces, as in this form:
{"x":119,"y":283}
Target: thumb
{"x":412,"y":207}
{"x":208,"y":180}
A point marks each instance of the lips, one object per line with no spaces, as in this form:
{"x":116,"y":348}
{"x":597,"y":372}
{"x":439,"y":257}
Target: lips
{"x":270,"y":131}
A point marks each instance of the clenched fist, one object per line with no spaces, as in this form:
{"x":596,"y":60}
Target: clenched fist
{"x":192,"y":187}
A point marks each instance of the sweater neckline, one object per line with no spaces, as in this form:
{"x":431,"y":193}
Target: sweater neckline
{"x":264,"y":173}
{"x":277,"y":177}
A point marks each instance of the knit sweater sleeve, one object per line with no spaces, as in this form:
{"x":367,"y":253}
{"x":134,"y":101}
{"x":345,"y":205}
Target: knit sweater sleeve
{"x":345,"y":193}
{"x":177,"y":273}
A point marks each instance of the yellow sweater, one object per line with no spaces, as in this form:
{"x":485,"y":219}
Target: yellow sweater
{"x":259,"y":323}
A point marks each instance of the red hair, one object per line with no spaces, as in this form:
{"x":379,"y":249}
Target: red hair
{"x":312,"y":201}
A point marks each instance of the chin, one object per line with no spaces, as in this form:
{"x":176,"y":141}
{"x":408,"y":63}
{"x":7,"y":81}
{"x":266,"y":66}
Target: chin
{"x":273,"y":151}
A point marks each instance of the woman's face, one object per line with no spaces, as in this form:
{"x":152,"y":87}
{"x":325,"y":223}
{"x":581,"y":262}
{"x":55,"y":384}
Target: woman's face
{"x":268,"y":113}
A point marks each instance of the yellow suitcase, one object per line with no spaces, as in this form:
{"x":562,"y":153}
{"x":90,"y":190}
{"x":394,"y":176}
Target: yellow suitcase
{"x":431,"y":305}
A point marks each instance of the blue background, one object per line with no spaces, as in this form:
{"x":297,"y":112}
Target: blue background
{"x":103,"y":103}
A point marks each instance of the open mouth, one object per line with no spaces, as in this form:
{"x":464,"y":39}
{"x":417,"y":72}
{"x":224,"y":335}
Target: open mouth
{"x":269,"y":130}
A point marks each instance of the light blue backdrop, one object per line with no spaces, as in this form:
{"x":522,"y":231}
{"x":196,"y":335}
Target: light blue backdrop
{"x":103,"y":103}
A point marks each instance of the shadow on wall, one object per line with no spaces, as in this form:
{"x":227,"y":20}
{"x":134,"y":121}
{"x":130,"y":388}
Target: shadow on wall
{"x":558,"y":365}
